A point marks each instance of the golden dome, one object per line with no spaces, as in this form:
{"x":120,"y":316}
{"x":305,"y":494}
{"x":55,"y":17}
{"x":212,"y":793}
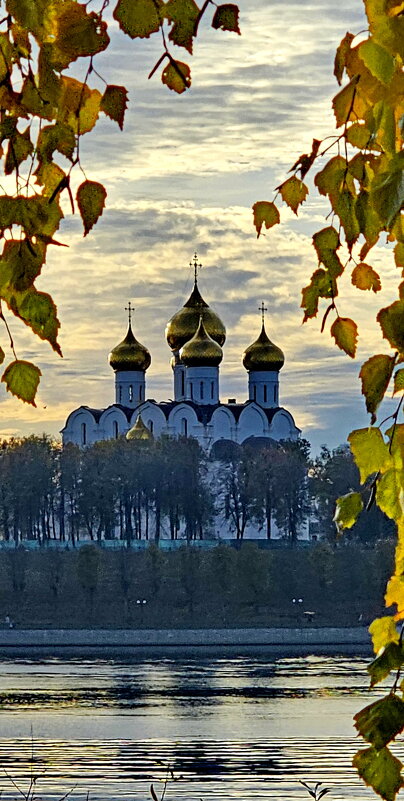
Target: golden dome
{"x":129,"y":354}
{"x":184,"y":323}
{"x":201,"y":350}
{"x":263,"y":354}
{"x":139,"y":431}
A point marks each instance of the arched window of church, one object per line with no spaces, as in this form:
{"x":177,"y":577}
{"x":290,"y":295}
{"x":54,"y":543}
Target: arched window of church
{"x":150,"y":426}
{"x":115,"y":429}
{"x":201,"y":390}
{"x":130,"y":393}
{"x":265,"y":393}
{"x":84,"y":433}
{"x":255,"y":392}
{"x":192,"y":389}
{"x":182,"y":383}
{"x":120,"y":395}
{"x":184,"y":427}
{"x":140,"y":392}
{"x":274,"y":394}
{"x":212,"y":389}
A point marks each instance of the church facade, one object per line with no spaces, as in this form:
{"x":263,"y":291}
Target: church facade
{"x":195,"y":335}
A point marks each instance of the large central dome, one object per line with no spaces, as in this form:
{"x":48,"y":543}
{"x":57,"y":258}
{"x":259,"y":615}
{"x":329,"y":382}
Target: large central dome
{"x":184,"y":324}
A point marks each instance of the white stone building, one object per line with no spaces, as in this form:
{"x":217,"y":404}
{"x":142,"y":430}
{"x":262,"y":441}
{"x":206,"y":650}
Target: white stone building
{"x":195,"y":335}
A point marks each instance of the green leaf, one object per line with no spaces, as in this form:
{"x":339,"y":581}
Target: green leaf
{"x":378,"y":60}
{"x":226,"y":18}
{"x":138,"y":18}
{"x":379,"y":770}
{"x":56,"y":137}
{"x":388,"y":493}
{"x":21,"y":379}
{"x":391,"y":320}
{"x":114,"y":103}
{"x":38,"y":311}
{"x":390,"y":658}
{"x":399,"y":381}
{"x":2,"y":355}
{"x":384,"y":633}
{"x":326,"y":243}
{"x":365,"y":277}
{"x":387,"y":194}
{"x":265,"y":213}
{"x":184,"y":14}
{"x":358,"y":135}
{"x":345,"y":206}
{"x":79,"y":33}
{"x":19,"y":148}
{"x":340,"y":56}
{"x":91,"y":201}
{"x":345,"y":333}
{"x":348,"y":509}
{"x":177,"y":76}
{"x":375,"y":375}
{"x":293,"y":192}
{"x":321,"y":286}
{"x":343,"y":102}
{"x":370,"y":451}
{"x":380,"y":722}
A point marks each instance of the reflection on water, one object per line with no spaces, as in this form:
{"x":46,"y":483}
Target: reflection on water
{"x":227,"y":728}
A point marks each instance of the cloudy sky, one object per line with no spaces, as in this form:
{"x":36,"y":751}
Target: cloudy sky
{"x":182,"y":177}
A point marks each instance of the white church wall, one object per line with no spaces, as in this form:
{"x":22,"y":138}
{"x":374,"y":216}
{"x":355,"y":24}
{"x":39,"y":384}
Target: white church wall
{"x":113,"y":423}
{"x":283,"y":427}
{"x":253,"y":422}
{"x":183,"y":421}
{"x":81,"y":428}
{"x":222,"y":424}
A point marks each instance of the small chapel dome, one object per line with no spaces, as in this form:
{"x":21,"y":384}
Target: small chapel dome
{"x":263,"y":354}
{"x":201,"y":350}
{"x":139,"y":431}
{"x":129,"y":354}
{"x":184,"y":323}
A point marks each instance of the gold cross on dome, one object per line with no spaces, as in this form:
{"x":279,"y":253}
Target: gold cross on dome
{"x":262,"y":309}
{"x":129,"y":308}
{"x":196,"y":266}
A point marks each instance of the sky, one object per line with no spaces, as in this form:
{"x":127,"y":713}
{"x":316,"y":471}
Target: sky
{"x":182,"y":177}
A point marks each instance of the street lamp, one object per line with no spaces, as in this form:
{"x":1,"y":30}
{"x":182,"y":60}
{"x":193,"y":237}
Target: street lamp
{"x":141,"y":603}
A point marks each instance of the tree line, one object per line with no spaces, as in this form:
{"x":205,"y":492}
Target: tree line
{"x":170,"y":488}
{"x":193,"y":586}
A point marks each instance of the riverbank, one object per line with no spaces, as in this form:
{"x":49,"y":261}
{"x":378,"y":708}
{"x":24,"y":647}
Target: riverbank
{"x":138,"y":642}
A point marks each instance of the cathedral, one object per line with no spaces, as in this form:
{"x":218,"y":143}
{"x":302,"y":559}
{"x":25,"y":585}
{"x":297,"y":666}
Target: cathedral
{"x":196,"y":335}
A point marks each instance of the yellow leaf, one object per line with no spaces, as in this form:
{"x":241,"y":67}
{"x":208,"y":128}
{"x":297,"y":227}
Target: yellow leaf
{"x":177,"y":76}
{"x":348,"y":509}
{"x":265,"y":213}
{"x":345,"y":333}
{"x":340,"y":56}
{"x":343,"y":103}
{"x":395,"y":595}
{"x":79,"y":106}
{"x":293,"y":192}
{"x":383,"y":630}
{"x":365,"y":277}
{"x":91,"y":201}
{"x":389,"y":494}
{"x":375,"y":375}
{"x":21,"y":379}
{"x":79,"y":33}
{"x":370,"y":452}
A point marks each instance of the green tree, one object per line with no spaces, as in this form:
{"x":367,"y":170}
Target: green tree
{"x":290,"y":494}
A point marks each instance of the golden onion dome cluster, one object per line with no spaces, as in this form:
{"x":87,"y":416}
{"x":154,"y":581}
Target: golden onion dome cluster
{"x":201,"y":350}
{"x":129,"y":354}
{"x":184,"y":323}
{"x":263,"y":354}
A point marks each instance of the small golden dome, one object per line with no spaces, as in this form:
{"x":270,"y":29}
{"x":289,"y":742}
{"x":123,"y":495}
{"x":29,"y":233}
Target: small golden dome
{"x":201,"y":350}
{"x":184,"y":323}
{"x":263,"y":354}
{"x":139,"y":431}
{"x":129,"y":354}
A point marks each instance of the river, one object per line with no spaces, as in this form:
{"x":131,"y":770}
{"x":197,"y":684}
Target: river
{"x":227,"y":728}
